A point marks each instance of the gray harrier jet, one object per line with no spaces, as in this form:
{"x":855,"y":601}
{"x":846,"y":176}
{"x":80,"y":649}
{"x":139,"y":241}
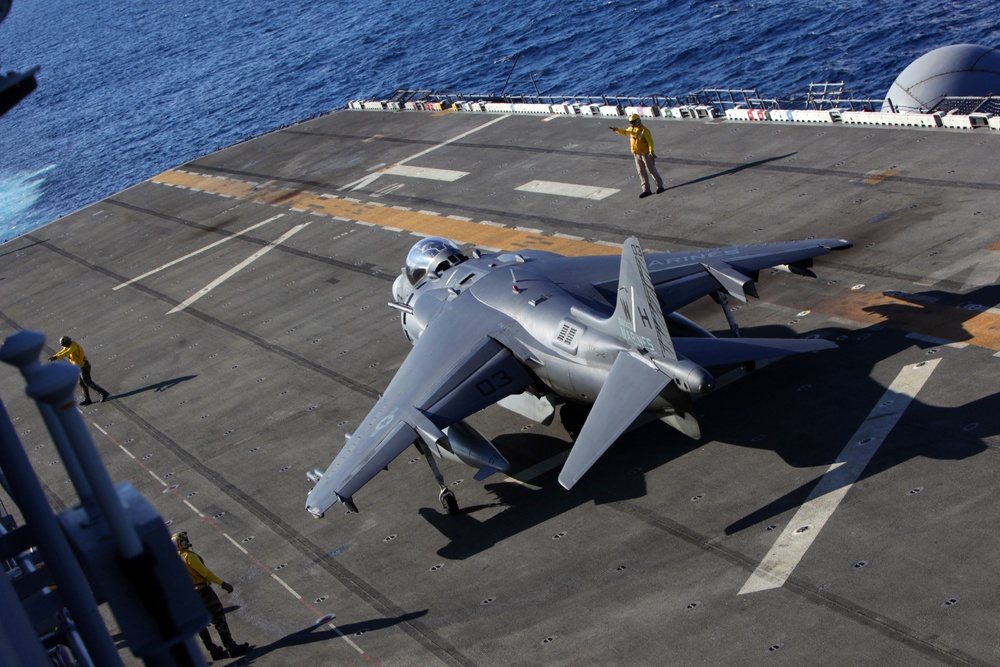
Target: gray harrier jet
{"x":533,"y":329}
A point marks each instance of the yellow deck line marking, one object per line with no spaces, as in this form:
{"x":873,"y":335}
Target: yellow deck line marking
{"x":876,"y":177}
{"x":803,"y":529}
{"x":867,"y":308}
{"x":948,"y":323}
{"x":426,"y":224}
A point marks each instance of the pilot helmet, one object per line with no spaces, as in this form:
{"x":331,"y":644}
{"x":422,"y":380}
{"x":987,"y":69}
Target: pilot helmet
{"x":65,"y":341}
{"x":431,"y":255}
{"x":181,"y":541}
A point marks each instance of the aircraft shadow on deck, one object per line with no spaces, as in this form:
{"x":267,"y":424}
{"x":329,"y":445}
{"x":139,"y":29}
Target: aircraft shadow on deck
{"x":830,"y":394}
{"x":621,"y":478}
{"x":946,"y":312}
{"x":826,"y":419}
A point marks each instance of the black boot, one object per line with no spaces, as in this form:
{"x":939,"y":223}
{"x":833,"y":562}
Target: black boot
{"x":236,"y":650}
{"x":217,"y":652}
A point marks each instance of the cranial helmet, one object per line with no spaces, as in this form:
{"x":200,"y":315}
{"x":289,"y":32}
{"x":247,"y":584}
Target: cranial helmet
{"x":181,"y":541}
{"x":65,"y":341}
{"x":634,"y":117}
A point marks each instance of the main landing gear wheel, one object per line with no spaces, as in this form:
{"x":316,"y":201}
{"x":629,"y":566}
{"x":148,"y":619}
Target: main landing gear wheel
{"x":448,"y":501}
{"x":446,"y":497}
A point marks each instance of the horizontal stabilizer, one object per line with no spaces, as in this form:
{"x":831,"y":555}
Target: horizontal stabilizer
{"x":631,"y":386}
{"x":723,"y":351}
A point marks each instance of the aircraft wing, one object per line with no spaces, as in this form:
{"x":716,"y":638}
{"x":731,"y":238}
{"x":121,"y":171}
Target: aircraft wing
{"x":680,"y":278}
{"x":454,"y":370}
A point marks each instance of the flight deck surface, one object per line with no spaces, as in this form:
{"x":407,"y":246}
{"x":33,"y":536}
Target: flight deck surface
{"x":840,"y":508}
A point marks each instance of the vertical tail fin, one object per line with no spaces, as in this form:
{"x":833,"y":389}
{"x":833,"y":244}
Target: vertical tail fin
{"x":638,"y":314}
{"x":639,"y":374}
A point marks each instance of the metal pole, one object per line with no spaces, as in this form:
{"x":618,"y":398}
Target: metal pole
{"x":55,"y":385}
{"x":23,"y":350}
{"x":511,"y":73}
{"x":66,"y":572}
{"x":18,"y":643}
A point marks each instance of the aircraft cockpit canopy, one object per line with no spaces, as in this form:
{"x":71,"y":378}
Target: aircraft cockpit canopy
{"x":433,"y":254}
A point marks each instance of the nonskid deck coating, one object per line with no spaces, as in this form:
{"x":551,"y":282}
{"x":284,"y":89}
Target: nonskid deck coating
{"x":221,"y":408}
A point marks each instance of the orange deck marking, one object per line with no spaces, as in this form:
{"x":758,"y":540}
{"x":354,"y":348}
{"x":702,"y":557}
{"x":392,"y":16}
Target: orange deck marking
{"x":867,"y":308}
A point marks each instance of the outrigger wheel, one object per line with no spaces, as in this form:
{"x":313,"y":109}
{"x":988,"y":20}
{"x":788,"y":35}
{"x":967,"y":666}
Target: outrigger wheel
{"x":448,"y":501}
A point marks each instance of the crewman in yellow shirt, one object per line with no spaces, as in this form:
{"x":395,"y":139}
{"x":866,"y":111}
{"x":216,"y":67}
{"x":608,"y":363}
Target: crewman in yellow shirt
{"x":76,"y":356}
{"x":642,"y":150}
{"x":203,"y":578}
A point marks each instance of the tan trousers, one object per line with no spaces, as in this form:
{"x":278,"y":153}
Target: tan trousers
{"x":646,"y":165}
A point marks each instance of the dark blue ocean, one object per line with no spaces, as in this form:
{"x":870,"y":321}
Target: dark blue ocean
{"x":130,"y":88}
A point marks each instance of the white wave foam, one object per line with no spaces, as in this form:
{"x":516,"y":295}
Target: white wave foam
{"x":18,"y":194}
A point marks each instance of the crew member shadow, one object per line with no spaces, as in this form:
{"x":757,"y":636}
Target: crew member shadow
{"x":161,"y":386}
{"x":321,"y":632}
{"x":734,"y":170}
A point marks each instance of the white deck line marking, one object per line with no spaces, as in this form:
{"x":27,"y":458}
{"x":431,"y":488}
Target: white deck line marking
{"x":327,"y":618}
{"x":235,"y":543}
{"x":197,"y":252}
{"x":429,"y":173}
{"x":984,"y":270}
{"x":371,"y":178}
{"x":804,"y":527}
{"x":287,"y":587}
{"x":567,"y":190}
{"x":233,"y":271}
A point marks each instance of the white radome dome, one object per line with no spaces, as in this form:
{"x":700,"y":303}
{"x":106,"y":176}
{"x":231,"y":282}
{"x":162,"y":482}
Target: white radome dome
{"x":962,"y":70}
